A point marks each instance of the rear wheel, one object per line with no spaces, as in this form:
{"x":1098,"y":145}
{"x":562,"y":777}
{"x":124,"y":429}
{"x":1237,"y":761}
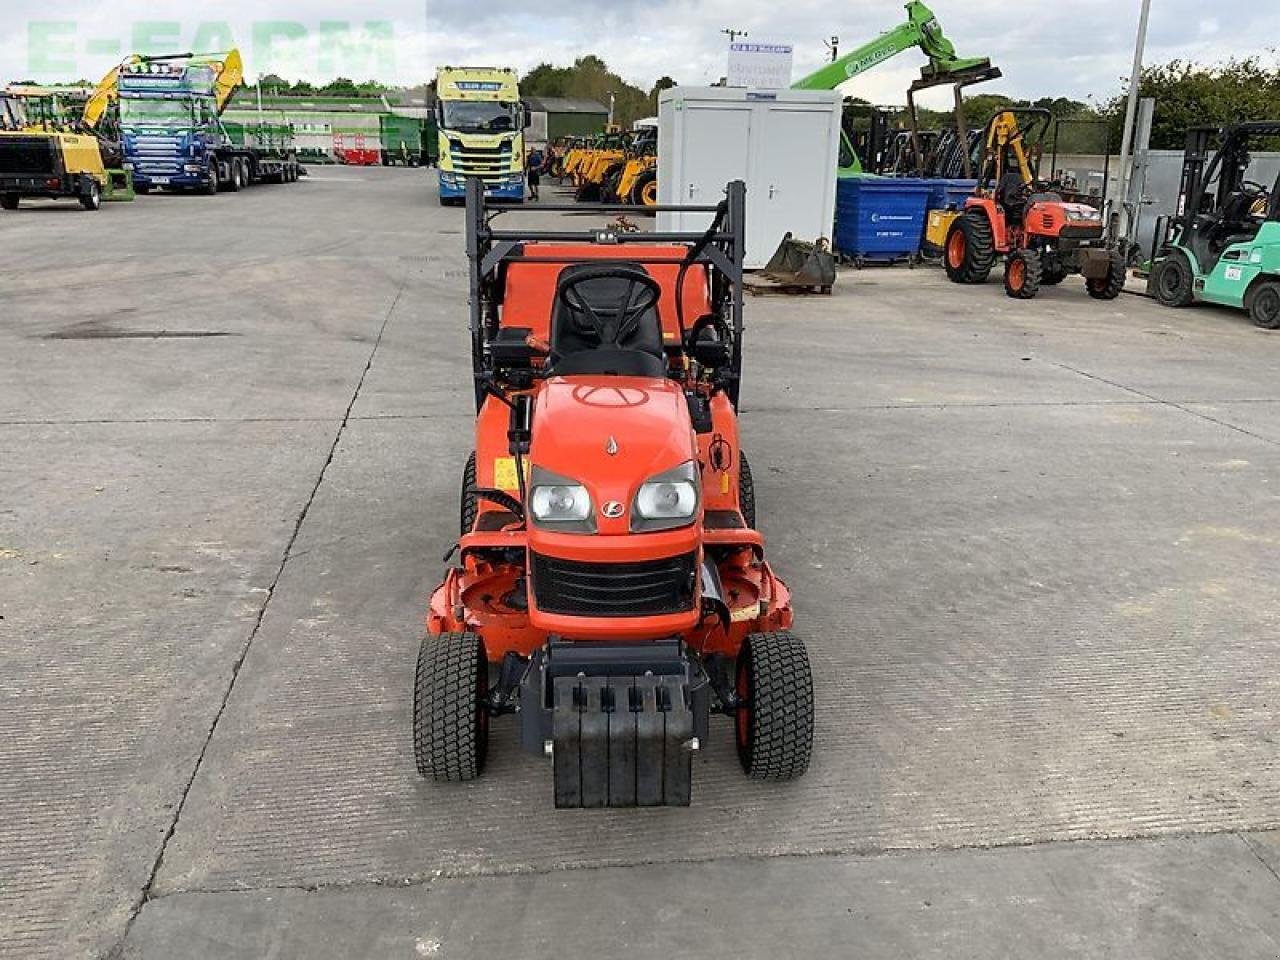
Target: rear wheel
{"x":1172,"y":281}
{"x":450,"y":714}
{"x":970,"y":250}
{"x":10,"y":201}
{"x":1264,"y":306}
{"x":774,"y":721}
{"x":1022,"y":274}
{"x":91,"y":199}
{"x":746,"y":491}
{"x":1110,"y":286}
{"x":468,"y":511}
{"x":236,"y":180}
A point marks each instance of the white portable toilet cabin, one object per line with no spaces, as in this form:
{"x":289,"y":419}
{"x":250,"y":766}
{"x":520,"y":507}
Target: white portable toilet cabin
{"x":783,"y":143}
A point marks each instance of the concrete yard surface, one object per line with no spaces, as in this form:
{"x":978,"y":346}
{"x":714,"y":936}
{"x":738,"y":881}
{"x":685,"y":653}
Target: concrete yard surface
{"x":1033,"y":548}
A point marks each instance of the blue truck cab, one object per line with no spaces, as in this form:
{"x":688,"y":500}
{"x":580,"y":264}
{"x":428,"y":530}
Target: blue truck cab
{"x":172,"y":132}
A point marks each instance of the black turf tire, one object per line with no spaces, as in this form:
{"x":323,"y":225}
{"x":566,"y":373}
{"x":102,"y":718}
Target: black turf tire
{"x":1172,"y":281}
{"x":450,"y":721}
{"x":746,"y":491}
{"x":1264,"y":305}
{"x":10,"y":201}
{"x":1022,"y":273}
{"x":469,"y":505}
{"x":979,"y":248}
{"x":1110,"y":286}
{"x":774,"y":726}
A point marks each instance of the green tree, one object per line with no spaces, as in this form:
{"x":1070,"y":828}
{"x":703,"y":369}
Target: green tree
{"x":1190,"y":94}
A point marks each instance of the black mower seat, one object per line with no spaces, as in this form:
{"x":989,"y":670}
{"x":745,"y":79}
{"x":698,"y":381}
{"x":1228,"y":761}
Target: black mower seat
{"x":572,"y":332}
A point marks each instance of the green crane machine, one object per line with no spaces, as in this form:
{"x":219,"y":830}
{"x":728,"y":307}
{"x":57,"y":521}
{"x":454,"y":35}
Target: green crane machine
{"x":922,"y":31}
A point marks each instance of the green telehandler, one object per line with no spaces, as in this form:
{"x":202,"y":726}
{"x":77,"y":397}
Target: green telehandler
{"x":922,"y":31}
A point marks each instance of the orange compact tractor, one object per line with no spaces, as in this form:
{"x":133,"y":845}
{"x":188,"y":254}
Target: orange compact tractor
{"x":1043,"y":238}
{"x":610,"y":589}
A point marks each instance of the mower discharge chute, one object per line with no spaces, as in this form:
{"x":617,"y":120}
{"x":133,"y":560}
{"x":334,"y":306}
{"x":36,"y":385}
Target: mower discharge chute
{"x":611,"y":589}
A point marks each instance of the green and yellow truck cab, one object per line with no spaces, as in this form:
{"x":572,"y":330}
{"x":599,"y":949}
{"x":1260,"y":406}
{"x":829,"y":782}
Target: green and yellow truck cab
{"x":1223,"y":244}
{"x":480,"y":122}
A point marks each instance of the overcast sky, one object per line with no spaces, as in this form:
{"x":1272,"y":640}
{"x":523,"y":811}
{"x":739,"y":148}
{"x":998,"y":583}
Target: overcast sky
{"x":1074,"y":48}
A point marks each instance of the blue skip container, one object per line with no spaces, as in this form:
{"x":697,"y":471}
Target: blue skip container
{"x":880,"y":219}
{"x":950,"y":194}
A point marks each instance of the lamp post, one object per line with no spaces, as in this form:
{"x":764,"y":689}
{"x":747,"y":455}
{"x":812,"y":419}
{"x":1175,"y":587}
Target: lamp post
{"x":1130,"y":115}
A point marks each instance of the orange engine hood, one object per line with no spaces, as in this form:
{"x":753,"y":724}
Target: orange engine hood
{"x":611,"y":434}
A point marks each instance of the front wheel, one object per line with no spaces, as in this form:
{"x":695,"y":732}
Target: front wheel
{"x":450,"y":707}
{"x":774,"y":719}
{"x":746,"y":491}
{"x":1172,"y":281}
{"x":211,"y":188}
{"x":1110,"y":286}
{"x":1022,"y":274}
{"x":1264,"y":306}
{"x":91,"y":199}
{"x":10,"y":201}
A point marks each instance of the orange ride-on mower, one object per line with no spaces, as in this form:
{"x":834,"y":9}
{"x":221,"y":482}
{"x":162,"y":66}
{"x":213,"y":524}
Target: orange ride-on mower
{"x":1042,"y":238}
{"x":611,"y":590}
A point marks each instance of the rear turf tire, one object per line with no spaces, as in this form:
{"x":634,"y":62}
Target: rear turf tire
{"x":1172,"y":281}
{"x":1264,"y":305}
{"x":746,"y":491}
{"x":450,"y":715}
{"x":1022,"y":273}
{"x":10,"y":201}
{"x":970,"y":251}
{"x":774,"y":722}
{"x":1110,"y":286}
{"x":469,"y":506}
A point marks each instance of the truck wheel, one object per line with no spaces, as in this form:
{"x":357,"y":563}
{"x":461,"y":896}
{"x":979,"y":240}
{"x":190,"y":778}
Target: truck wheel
{"x":970,"y":251}
{"x":774,"y":721}
{"x":1172,"y":281}
{"x":1110,"y":286}
{"x":211,"y":188}
{"x":10,"y":201}
{"x":1264,"y":305}
{"x":1022,"y":274}
{"x":236,"y":180}
{"x":469,"y":505}
{"x":450,"y":710}
{"x":746,"y":491}
{"x":91,"y":199}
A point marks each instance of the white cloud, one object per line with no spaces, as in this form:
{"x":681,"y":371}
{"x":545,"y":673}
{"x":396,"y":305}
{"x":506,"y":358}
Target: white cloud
{"x":1072,"y":48}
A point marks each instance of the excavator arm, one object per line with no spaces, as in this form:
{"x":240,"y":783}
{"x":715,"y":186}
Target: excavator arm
{"x":104,"y":95}
{"x":921,"y":30}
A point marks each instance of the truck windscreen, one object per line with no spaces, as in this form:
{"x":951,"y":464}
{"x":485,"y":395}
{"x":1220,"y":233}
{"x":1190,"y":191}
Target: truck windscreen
{"x":471,"y":116}
{"x":134,"y":112}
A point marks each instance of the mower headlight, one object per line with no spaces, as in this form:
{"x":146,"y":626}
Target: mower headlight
{"x":559,"y":503}
{"x":668,"y":500}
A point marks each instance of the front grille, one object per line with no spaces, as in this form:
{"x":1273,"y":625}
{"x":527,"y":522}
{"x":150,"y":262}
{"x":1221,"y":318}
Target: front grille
{"x":648,"y":588}
{"x":28,"y":156}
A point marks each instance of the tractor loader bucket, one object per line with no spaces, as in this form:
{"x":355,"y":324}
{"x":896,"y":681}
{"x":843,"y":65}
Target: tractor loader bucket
{"x":802,"y":264}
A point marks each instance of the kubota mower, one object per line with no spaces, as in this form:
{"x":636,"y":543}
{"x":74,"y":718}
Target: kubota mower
{"x":1043,"y":238}
{"x":610,"y":589}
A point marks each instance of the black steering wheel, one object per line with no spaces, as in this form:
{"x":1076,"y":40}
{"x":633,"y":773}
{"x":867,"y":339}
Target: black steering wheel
{"x":631,"y":305}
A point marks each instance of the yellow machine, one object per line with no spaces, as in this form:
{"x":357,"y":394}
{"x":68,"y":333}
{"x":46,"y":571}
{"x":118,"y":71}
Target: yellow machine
{"x":637,"y":181}
{"x":53,"y":164}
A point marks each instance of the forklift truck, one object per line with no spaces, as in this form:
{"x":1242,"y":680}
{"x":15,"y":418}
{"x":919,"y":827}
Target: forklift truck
{"x":1223,"y":244}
